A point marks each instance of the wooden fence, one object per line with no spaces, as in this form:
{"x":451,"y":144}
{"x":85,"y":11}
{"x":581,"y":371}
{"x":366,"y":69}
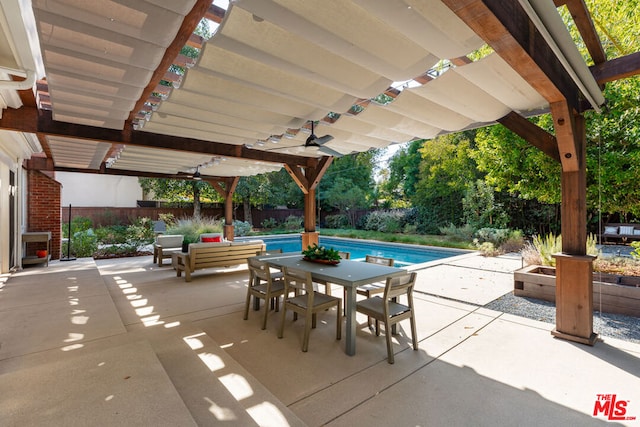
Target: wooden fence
{"x":105,"y":216}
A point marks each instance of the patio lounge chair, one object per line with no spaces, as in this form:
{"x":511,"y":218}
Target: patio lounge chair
{"x":389,"y":310}
{"x":166,"y":245}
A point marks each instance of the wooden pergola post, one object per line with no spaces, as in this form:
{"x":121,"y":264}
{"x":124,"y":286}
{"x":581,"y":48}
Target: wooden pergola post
{"x":226,"y":187}
{"x":307,"y":179}
{"x":508,"y":29}
{"x":574,"y":268}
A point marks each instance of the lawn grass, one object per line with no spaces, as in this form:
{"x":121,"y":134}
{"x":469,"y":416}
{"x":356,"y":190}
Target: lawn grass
{"x":415,"y":239}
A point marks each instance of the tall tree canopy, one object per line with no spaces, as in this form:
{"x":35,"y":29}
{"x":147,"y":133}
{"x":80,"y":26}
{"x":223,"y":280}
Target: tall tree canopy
{"x":177,"y":190}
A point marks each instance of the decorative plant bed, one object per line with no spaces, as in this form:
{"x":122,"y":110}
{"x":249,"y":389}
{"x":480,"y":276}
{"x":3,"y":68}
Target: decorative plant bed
{"x":611,"y":293}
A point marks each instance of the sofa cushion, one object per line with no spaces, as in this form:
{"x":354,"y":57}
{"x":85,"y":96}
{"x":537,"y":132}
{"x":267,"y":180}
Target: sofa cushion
{"x":626,"y":229}
{"x":246,"y":242}
{"x":610,"y":230}
{"x":169,"y":240}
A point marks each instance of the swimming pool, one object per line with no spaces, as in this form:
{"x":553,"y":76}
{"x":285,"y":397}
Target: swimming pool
{"x":403,"y":254}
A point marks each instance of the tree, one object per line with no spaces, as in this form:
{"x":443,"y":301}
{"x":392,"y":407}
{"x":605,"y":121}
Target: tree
{"x":513,"y":165}
{"x":347,"y":198}
{"x":613,"y":151}
{"x":283,"y":191}
{"x":175,"y":190}
{"x":480,"y":208}
{"x":358,"y":169}
{"x":446,"y":169}
{"x":404,"y":169}
{"x":252,"y":191}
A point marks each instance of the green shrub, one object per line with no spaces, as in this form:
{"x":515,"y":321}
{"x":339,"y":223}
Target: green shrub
{"x":410,"y":229}
{"x":269,"y":223}
{"x":83,"y":244}
{"x":550,"y":244}
{"x":113,"y":251}
{"x":167,"y":218}
{"x":635,"y":254}
{"x":79,"y":223}
{"x":241,"y":228}
{"x":429,"y":219}
{"x":140,"y":232}
{"x":514,"y":243}
{"x":488,"y":249}
{"x":112,"y":234}
{"x":337,"y":221}
{"x":385,"y":221}
{"x":546,"y":247}
{"x":497,"y":236}
{"x":458,"y":234}
{"x":192,"y":228}
{"x":293,"y":223}
{"x":495,"y":241}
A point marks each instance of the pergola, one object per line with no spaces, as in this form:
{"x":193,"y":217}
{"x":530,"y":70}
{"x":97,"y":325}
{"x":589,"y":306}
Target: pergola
{"x":108,"y":98}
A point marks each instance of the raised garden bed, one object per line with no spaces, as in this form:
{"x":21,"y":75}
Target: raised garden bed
{"x":611,"y":293}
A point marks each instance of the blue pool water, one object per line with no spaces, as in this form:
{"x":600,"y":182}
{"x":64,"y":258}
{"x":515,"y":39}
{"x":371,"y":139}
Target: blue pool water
{"x":403,"y":254}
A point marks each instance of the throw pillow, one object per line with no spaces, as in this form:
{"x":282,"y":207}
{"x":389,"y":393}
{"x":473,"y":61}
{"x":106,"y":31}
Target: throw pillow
{"x":611,"y":230}
{"x":626,"y":229}
{"x":212,"y":239}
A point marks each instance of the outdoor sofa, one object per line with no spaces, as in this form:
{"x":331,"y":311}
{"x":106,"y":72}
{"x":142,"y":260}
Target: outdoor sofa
{"x":215,"y":254}
{"x":620,"y":232}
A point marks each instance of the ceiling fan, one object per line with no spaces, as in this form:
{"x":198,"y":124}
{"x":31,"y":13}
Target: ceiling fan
{"x":319,"y":141}
{"x":314,"y":141}
{"x":196,"y":175}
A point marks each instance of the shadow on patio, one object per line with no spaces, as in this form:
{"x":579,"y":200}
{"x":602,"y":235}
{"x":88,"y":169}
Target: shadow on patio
{"x":130,"y":343}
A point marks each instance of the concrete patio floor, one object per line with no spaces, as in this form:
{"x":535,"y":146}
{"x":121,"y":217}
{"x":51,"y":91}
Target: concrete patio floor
{"x":123,"y":342}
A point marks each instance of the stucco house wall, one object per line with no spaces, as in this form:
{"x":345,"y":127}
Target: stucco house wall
{"x":92,"y":190}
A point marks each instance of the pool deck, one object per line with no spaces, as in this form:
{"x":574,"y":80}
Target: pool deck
{"x":124,"y":342}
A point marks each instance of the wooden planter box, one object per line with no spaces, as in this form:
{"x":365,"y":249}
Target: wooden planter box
{"x":611,"y":293}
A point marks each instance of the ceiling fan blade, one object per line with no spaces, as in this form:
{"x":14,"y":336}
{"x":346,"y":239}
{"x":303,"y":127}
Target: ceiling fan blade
{"x":323,"y":139}
{"x":330,"y":152}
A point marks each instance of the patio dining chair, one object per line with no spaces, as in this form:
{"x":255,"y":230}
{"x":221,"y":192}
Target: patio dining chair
{"x":371,"y":289}
{"x":306,"y":302}
{"x":389,"y":310}
{"x":327,"y":286}
{"x":263,"y":284}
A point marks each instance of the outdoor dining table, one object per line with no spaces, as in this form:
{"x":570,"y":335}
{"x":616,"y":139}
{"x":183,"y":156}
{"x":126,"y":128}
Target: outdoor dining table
{"x":348,"y":273}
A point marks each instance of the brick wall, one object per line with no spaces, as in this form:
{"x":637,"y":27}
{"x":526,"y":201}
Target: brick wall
{"x":43,"y":210}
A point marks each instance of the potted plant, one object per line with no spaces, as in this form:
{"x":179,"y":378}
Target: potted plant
{"x":321,"y":255}
{"x":187,"y":240}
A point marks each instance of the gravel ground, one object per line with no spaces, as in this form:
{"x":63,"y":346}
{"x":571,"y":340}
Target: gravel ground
{"x":605,"y":324}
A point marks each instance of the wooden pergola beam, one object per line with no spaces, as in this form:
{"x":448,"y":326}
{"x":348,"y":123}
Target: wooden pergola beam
{"x":531,"y":133}
{"x":616,"y":69}
{"x":189,"y":24}
{"x":584,"y":23}
{"x":27,"y":119}
{"x":506,"y":27}
{"x":307,"y":179}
